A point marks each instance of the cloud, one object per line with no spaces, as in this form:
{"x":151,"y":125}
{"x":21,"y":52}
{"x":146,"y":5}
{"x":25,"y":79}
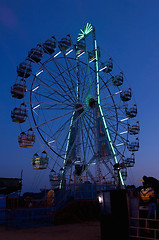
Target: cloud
{"x":7,"y":17}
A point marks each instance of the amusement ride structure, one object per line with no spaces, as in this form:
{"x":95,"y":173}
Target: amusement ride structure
{"x":80,"y":110}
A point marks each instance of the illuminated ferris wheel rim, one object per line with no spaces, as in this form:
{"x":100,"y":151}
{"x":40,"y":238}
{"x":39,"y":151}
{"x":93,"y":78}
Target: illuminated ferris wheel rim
{"x":119,"y":121}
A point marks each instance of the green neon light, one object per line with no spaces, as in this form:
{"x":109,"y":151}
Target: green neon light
{"x":87,"y":29}
{"x":97,"y":75}
{"x":101,"y":112}
{"x":68,"y":140}
{"x":89,"y":96}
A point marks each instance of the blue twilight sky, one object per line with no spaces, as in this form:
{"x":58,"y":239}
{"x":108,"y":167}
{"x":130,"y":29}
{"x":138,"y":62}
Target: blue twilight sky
{"x":127,"y":29}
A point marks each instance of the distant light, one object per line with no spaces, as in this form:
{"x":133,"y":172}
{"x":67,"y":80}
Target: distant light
{"x":100,"y":199}
{"x":123,"y":132}
{"x":80,"y":54}
{"x":120,"y":144}
{"x":35,"y":88}
{"x":69,"y":52}
{"x":38,"y":73}
{"x":36,"y":106}
{"x":103,"y":68}
{"x":124,"y":119}
{"x":57,"y":54}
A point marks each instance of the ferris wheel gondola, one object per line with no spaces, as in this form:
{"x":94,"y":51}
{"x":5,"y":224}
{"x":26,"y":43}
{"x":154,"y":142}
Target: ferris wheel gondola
{"x":19,"y":115}
{"x":40,"y":162}
{"x":19,"y":89}
{"x":26,"y":139}
{"x":35,"y":54}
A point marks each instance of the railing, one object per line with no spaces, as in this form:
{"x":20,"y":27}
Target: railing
{"x":72,"y":179}
{"x":144,"y":228}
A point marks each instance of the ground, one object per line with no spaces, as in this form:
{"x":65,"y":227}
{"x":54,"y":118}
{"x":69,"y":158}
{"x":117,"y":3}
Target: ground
{"x":78,"y":231}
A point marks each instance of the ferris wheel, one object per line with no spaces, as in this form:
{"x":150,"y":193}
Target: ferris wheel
{"x":80,"y":109}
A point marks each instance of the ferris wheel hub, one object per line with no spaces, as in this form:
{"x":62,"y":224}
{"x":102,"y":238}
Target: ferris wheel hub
{"x":92,"y":102}
{"x":79,"y":108}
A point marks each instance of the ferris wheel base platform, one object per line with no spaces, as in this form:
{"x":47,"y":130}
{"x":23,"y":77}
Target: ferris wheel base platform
{"x":82,"y":191}
{"x":78,"y":202}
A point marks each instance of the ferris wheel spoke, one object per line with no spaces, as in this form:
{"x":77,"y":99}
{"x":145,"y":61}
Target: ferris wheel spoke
{"x":51,"y":120}
{"x":56,"y":73}
{"x":105,"y":84}
{"x":69,"y":69}
{"x":114,"y":128}
{"x":63,"y":94}
{"x":57,"y":80}
{"x":57,"y":136}
{"x":62,"y":146}
{"x":61,"y":131}
{"x":46,"y":106}
{"x":112,"y":114}
{"x":73,"y":68}
{"x":108,"y":82}
{"x":82,"y":84}
{"x":88,"y":165}
{"x":85,"y":85}
{"x":56,"y":106}
{"x":54,"y":102}
{"x":111,"y":95}
{"x":118,"y":135}
{"x":89,"y":138}
{"x":111,"y":122}
{"x":62,"y":91}
{"x":116,"y":124}
{"x":85,"y":137}
{"x":88,"y":133}
{"x":83,"y":144}
{"x":111,"y":109}
{"x":46,"y":134}
{"x":109,"y":168}
{"x":62,"y":85}
{"x":69,"y":80}
{"x":90,"y":120}
{"x":121,"y":142}
{"x":64,"y":80}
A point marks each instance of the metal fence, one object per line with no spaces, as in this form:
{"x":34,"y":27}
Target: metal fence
{"x":144,"y":228}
